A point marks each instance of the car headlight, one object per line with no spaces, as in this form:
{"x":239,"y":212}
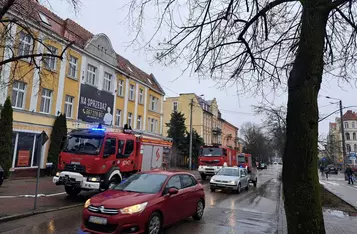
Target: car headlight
{"x":212,"y":180}
{"x":87,"y":204}
{"x":232,"y":182}
{"x":58,"y":174}
{"x":94,"y":179}
{"x":134,"y":209}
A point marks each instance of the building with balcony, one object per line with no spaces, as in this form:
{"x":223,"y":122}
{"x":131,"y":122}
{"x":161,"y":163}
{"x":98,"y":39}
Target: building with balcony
{"x":206,"y":119}
{"x":92,"y":84}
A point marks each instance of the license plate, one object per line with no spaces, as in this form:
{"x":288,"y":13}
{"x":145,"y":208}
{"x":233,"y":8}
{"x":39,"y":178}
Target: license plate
{"x":97,"y":220}
{"x":75,"y":163}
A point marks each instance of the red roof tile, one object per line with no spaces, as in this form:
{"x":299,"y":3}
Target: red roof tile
{"x":349,"y":115}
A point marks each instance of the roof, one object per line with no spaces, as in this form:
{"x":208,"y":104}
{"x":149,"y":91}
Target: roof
{"x":71,"y":31}
{"x":349,"y":115}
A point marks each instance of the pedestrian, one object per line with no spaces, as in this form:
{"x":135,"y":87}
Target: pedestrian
{"x":322,"y":169}
{"x":327,"y":171}
{"x":349,"y":173}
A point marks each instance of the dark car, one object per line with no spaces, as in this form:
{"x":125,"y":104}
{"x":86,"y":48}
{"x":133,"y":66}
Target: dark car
{"x":1,"y":175}
{"x":145,"y":203}
{"x":262,"y":166}
{"x":332,"y":168}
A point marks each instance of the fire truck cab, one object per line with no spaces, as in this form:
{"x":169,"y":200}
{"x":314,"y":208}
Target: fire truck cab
{"x":93,"y":159}
{"x":211,"y":160}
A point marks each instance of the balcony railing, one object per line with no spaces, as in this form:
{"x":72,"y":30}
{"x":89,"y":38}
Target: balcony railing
{"x":216,"y":131}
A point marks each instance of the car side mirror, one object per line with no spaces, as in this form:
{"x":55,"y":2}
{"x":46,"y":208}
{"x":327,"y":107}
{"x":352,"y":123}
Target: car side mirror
{"x":173,"y":191}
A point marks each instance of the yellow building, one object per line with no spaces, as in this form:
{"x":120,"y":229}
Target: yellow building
{"x":206,"y":119}
{"x":92,"y":84}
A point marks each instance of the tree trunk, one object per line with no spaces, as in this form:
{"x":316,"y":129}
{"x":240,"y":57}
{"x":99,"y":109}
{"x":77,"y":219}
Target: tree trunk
{"x":300,"y":177}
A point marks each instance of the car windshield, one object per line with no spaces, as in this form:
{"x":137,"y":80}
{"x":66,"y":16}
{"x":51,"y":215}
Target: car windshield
{"x":228,"y":172}
{"x":212,"y":152}
{"x":241,"y":159}
{"x":83,"y":145}
{"x":142,"y":183}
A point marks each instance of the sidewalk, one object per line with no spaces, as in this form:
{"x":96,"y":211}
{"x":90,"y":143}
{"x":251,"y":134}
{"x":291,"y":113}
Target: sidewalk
{"x":337,"y":185}
{"x":335,"y":221}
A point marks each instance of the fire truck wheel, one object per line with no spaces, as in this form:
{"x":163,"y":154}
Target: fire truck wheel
{"x":247,"y":188}
{"x":203,"y":176}
{"x":114,"y":181}
{"x":255,"y":182}
{"x":72,"y":191}
{"x":212,"y":190}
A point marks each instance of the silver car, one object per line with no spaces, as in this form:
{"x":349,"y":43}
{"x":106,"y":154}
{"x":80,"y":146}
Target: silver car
{"x":230,"y":178}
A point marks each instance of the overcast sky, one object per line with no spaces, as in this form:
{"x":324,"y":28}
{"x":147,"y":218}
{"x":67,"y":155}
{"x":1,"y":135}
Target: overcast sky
{"x":107,"y":17}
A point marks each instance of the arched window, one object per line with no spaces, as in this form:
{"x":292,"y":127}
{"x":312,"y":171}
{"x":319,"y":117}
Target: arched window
{"x":348,"y":147}
{"x":348,"y":136}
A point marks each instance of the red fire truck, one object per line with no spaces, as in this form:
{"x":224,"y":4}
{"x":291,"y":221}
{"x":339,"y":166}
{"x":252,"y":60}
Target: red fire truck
{"x":94,"y":159}
{"x":213,"y":158}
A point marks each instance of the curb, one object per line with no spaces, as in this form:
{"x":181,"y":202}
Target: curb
{"x":282,"y":228}
{"x":27,"y":214}
{"x":349,"y":203}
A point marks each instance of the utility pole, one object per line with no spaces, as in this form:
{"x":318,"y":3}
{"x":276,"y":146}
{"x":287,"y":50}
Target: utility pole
{"x":343,"y":137}
{"x":190,"y":150}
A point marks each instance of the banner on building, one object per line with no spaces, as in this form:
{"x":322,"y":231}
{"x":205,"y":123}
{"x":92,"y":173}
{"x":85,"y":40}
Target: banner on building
{"x":95,"y":106}
{"x":23,"y":159}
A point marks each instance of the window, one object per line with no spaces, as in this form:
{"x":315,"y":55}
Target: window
{"x":43,"y":18}
{"x":107,"y":81}
{"x":46,"y":101}
{"x":68,"y":106}
{"x":131,"y":93}
{"x":153,"y":103}
{"x":175,"y":105}
{"x":353,"y":125}
{"x":174,"y":182}
{"x":355,"y":147}
{"x":121,"y":144}
{"x":91,"y":73}
{"x":187,"y":181}
{"x":153,"y":125}
{"x":110,"y":146}
{"x":129,"y":147}
{"x":18,"y":94}
{"x":50,"y":61}
{"x":347,"y":136}
{"x":118,"y":118}
{"x":25,"y":44}
{"x":142,"y":183}
{"x":138,"y":126}
{"x":130,"y":115}
{"x":348,"y":147}
{"x":354,"y":136}
{"x":141,"y":96}
{"x":120,"y":87}
{"x":346,"y":124}
{"x":72,"y":70}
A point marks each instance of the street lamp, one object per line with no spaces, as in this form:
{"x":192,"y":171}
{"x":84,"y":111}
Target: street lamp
{"x":342,"y":131}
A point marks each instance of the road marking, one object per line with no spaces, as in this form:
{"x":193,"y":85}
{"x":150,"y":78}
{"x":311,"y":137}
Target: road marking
{"x":33,"y":195}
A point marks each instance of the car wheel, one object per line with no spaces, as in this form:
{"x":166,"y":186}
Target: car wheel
{"x":238,"y":188}
{"x":72,"y":191}
{"x":213,"y":190}
{"x":154,"y":225}
{"x":255,"y":182}
{"x":247,"y":188}
{"x":199,"y":210}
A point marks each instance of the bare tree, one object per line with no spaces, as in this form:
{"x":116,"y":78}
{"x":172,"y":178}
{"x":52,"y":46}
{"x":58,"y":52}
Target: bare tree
{"x":275,"y":123}
{"x":17,"y":21}
{"x":259,"y":44}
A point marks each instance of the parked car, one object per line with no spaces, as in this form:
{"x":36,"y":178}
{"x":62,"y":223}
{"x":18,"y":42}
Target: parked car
{"x":332,"y":168}
{"x":1,"y":175}
{"x":262,"y":166}
{"x":145,"y":203}
{"x":230,"y":178}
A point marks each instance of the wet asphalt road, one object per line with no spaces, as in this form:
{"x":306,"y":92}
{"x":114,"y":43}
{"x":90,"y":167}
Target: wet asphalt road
{"x":253,"y":211}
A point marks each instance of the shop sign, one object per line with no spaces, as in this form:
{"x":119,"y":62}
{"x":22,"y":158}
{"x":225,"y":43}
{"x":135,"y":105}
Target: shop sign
{"x":95,"y":106}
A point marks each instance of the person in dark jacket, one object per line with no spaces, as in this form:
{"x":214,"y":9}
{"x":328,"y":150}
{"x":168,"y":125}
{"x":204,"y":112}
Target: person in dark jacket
{"x":322,"y":169}
{"x":349,"y":173}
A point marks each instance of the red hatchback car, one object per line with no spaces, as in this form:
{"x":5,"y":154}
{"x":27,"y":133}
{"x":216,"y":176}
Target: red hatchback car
{"x":145,"y":203}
